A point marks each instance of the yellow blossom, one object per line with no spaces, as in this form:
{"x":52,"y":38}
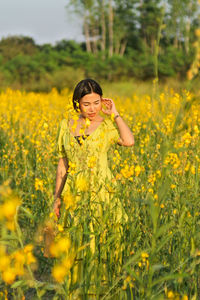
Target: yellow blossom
{"x":4,"y":262}
{"x":82,"y":184}
{"x":170,"y":295}
{"x":144,"y":255}
{"x":59,"y":273}
{"x":39,"y":184}
{"x":137,"y":170}
{"x":9,"y":275}
{"x":69,"y":200}
{"x":87,"y":122}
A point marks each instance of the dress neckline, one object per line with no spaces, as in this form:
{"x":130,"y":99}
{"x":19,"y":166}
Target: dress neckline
{"x":89,"y":133}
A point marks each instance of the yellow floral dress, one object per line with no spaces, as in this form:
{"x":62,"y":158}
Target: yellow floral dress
{"x":88,"y":162}
{"x":89,"y":174}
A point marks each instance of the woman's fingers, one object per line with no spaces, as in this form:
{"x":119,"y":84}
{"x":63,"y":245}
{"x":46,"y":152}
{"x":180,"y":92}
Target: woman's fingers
{"x":107,"y":103}
{"x":110,"y":105}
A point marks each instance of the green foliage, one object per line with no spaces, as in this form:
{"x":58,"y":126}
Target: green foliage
{"x":15,"y":45}
{"x":150,"y":39}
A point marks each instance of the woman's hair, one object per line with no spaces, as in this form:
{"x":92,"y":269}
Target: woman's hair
{"x":85,"y":87}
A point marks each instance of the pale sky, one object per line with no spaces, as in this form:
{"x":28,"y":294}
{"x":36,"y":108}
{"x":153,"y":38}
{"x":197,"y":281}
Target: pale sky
{"x":46,"y":21}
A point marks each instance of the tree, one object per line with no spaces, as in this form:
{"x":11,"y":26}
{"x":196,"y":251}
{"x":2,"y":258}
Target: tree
{"x":150,"y":21}
{"x":15,"y":45}
{"x":180,"y":22}
{"x":106,"y":23}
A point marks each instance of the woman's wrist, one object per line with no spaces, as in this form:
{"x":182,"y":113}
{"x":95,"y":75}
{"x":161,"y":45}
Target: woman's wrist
{"x":56,"y":197}
{"x":116,"y":115}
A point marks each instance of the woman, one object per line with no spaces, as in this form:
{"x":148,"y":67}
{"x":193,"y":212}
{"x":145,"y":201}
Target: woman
{"x":87,"y":99}
{"x":84,"y":176}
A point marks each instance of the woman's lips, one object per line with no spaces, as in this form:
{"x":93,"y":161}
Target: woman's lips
{"x":91,"y":115}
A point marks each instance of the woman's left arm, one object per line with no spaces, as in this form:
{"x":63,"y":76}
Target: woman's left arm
{"x":126,"y":136}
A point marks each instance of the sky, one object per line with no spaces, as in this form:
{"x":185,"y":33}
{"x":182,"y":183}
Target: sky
{"x":46,"y":21}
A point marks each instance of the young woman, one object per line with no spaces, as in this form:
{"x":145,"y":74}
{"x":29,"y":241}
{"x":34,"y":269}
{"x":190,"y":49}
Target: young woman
{"x":83,"y":176}
{"x":83,"y":144}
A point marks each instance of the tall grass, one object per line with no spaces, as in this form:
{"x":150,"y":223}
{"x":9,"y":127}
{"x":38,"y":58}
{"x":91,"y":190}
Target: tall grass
{"x":152,"y":254}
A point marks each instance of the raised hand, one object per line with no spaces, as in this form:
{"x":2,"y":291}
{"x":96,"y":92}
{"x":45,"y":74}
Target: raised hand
{"x":110,"y":106}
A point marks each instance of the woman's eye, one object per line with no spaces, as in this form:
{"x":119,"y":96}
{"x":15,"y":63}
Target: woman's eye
{"x":97,"y":102}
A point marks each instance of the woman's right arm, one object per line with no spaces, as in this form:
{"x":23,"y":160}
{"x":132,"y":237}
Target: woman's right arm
{"x":61,"y":176}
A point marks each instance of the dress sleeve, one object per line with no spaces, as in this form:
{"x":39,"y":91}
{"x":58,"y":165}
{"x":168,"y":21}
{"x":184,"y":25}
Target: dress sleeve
{"x":113,"y":134}
{"x":59,"y":139}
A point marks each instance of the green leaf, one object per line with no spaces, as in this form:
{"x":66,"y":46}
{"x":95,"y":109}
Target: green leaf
{"x":17,"y":284}
{"x":169,"y":277}
{"x":27,"y":213}
{"x":161,"y":230}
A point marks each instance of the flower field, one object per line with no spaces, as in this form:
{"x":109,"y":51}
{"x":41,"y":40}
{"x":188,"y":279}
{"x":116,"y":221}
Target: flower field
{"x":153,"y":254}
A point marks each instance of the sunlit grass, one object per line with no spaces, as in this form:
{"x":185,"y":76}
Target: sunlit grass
{"x":155,"y":254}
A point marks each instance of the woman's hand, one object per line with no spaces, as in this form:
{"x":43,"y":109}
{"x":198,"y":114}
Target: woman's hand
{"x":56,"y":207}
{"x":110,"y":106}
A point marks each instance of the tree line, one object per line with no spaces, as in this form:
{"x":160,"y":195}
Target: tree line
{"x":124,"y":39}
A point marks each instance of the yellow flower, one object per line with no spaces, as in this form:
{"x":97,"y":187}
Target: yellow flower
{"x":87,"y":122}
{"x":59,"y":247}
{"x":72,"y":168}
{"x":30,"y":259}
{"x":63,"y":245}
{"x":192,"y":169}
{"x":82,"y":184}
{"x":137,"y":170}
{"x":45,"y":125}
{"x":69,"y":200}
{"x":197,"y":32}
{"x":170,"y":295}
{"x":10,"y":225}
{"x":9,"y":275}
{"x":39,"y":185}
{"x":19,"y":257}
{"x":4,"y":262}
{"x":144,"y":255}
{"x":8,"y":209}
{"x":92,"y":162}
{"x":68,"y":262}
{"x":28,"y":248}
{"x":60,"y":228}
{"x":59,"y":273}
{"x":112,"y":116}
{"x":19,"y":268}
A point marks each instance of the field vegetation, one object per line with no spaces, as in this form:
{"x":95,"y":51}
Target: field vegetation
{"x":157,"y":181}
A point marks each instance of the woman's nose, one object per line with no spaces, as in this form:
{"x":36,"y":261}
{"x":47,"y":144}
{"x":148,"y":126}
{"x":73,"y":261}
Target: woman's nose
{"x":91,"y":108}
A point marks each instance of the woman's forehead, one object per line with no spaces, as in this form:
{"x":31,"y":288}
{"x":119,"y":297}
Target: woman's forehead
{"x":90,"y":98}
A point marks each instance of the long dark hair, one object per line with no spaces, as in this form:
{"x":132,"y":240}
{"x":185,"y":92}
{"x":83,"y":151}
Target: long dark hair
{"x":85,"y":87}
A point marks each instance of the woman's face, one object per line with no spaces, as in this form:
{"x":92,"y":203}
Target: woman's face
{"x":90,"y":106}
